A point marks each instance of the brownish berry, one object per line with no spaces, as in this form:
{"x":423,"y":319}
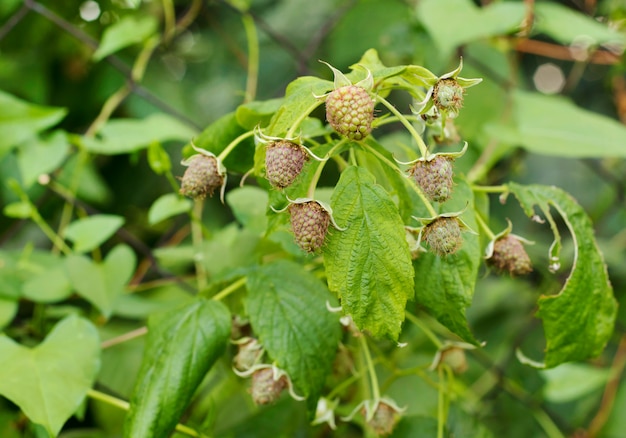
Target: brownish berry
{"x":283,"y":162}
{"x":202,"y":177}
{"x":309,"y":222}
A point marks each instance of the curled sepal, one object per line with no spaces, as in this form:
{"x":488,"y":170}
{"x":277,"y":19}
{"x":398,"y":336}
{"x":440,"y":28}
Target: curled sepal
{"x":452,"y":354}
{"x":346,"y":320}
{"x":249,"y":353}
{"x":340,"y":80}
{"x":272,"y":378}
{"x":380,"y":414}
{"x":368,"y":81}
{"x":205,"y":173}
{"x":325,"y":412}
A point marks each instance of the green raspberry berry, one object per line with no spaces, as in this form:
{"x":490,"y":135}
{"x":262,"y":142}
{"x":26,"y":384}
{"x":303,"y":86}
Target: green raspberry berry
{"x":383,"y":420}
{"x":448,"y":95}
{"x":202,"y":177}
{"x":283,"y":162}
{"x":264,"y":389}
{"x":350,"y":111}
{"x":444,"y":236}
{"x":434,"y":177}
{"x":309,"y":222}
{"x":510,"y":256}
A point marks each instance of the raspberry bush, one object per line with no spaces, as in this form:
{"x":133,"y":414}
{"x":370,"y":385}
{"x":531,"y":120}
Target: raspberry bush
{"x":333,"y":251}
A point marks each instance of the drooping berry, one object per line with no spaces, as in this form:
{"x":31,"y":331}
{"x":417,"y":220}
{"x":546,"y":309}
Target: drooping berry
{"x":434,"y":177}
{"x":264,"y":388}
{"x":444,"y":236}
{"x":202,"y":177}
{"x":510,"y":256}
{"x":309,"y":222}
{"x":283,"y":162}
{"x":384,"y":419}
{"x":350,"y":111}
{"x":448,"y":95}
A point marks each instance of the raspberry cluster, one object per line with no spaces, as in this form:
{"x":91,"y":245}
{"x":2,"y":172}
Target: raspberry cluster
{"x":434,"y":177}
{"x":444,"y":236}
{"x":309,"y":222}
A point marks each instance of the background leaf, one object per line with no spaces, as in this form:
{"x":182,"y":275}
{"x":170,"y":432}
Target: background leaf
{"x":20,"y":120}
{"x":579,"y":320}
{"x":102,"y":283}
{"x":89,"y":233}
{"x":368,"y":264}
{"x":167,"y":206}
{"x":126,"y":32}
{"x":445,"y":285}
{"x":454,"y":22}
{"x":544,"y":124}
{"x":123,"y":136}
{"x":49,"y":382}
{"x":182,"y":346}
{"x":41,"y":156}
{"x":287,"y":310}
{"x":249,"y":205}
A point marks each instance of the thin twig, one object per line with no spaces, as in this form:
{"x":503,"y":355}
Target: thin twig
{"x":13,"y":21}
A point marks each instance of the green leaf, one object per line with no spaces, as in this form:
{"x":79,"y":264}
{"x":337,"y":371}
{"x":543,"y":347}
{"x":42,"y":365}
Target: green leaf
{"x":126,"y":32}
{"x":369,"y":264}
{"x":299,"y":97}
{"x":167,"y":206}
{"x":8,"y":310}
{"x":89,"y":233}
{"x":158,"y":159}
{"x":182,"y":346}
{"x":445,"y":285}
{"x":568,"y":26}
{"x":249,"y":205}
{"x":49,"y":382}
{"x":579,"y":320}
{"x":102,"y":283}
{"x":256,"y":113}
{"x":287,"y":310}
{"x":18,"y":210}
{"x":553,"y":125}
{"x":48,"y":286}
{"x":18,"y":268}
{"x":123,"y":136}
{"x":41,"y":156}
{"x":20,"y":120}
{"x":218,"y":135}
{"x":456,"y":22}
{"x":572,"y":381}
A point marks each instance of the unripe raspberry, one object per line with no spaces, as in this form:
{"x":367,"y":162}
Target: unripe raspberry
{"x":264,"y":389}
{"x":283,"y":162}
{"x":350,"y":111}
{"x":202,"y":177}
{"x":384,"y":419}
{"x":448,"y":95}
{"x":509,"y":255}
{"x":444,"y":236}
{"x":309,"y":222}
{"x":455,"y":358}
{"x":434,"y":177}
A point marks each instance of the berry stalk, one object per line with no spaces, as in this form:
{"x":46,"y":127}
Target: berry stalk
{"x":420,"y":142}
{"x":228,"y":149}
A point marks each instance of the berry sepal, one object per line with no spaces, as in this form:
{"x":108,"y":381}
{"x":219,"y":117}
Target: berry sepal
{"x":381,"y":414}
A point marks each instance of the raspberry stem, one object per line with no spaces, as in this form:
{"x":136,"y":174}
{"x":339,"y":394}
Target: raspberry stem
{"x":370,"y":368}
{"x":301,"y":117}
{"x":229,"y":289}
{"x":420,"y":142}
{"x":228,"y":149}
{"x":485,"y":227}
{"x":318,"y":172}
{"x":196,"y":238}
